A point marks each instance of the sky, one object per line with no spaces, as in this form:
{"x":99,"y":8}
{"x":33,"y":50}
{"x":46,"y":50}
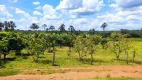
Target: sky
{"x":82,"y":14}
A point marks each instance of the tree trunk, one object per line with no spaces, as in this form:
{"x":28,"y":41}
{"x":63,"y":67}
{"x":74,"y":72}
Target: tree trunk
{"x":0,"y":59}
{"x":69,"y":51}
{"x":4,"y":57}
{"x":117,"y":57}
{"x":134,"y":54}
{"x":126,"y":52}
{"x":53,"y":58}
{"x":92,"y":59}
{"x":79,"y":54}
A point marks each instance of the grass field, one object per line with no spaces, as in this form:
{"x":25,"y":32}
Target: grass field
{"x":15,"y":65}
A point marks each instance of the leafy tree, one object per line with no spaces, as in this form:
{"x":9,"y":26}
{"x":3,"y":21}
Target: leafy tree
{"x":117,"y":44}
{"x":1,"y":26}
{"x":35,"y":44}
{"x":92,"y":31}
{"x":93,"y":41}
{"x":80,"y":46}
{"x":34,"y":26}
{"x":71,"y":29}
{"x":44,"y":26}
{"x":4,"y":43}
{"x":85,"y":45}
{"x":9,"y":25}
{"x":104,"y":43}
{"x":51,"y":28}
{"x":16,"y":44}
{"x":62,"y":28}
{"x":103,"y":26}
{"x":6,"y":25}
{"x":12,"y":25}
{"x":3,"y":49}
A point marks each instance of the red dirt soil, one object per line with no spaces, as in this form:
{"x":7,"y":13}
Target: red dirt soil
{"x":97,"y":71}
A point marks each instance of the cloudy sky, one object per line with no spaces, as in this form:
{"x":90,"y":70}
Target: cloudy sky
{"x":82,"y":14}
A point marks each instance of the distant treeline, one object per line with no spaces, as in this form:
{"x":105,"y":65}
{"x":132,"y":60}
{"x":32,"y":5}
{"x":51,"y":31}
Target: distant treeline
{"x":130,"y":33}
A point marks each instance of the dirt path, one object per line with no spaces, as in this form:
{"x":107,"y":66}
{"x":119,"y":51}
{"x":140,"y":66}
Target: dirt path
{"x":96,"y":71}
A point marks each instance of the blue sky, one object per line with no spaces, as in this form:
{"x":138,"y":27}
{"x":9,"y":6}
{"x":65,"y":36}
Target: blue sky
{"x":82,"y":14}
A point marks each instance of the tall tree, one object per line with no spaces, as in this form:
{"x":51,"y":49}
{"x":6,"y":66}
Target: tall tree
{"x":92,"y":31}
{"x":117,"y":44}
{"x":44,"y":26}
{"x":6,"y":25}
{"x":71,"y":29}
{"x":51,"y":28}
{"x":34,"y":26}
{"x":12,"y":25}
{"x":1,"y":26}
{"x":103,"y":26}
{"x":62,"y":28}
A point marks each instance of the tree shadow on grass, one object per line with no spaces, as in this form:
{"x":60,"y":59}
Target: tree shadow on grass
{"x":27,"y":54}
{"x":9,"y":59}
{"x":95,"y":61}
{"x":45,"y":61}
{"x":131,"y":61}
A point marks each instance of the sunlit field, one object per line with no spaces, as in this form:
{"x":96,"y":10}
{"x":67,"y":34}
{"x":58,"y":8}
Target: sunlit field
{"x":18,"y":64}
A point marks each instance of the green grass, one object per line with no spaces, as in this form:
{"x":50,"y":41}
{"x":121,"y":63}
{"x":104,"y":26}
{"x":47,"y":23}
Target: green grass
{"x":112,"y":79}
{"x":101,"y":57}
{"x":136,"y":39}
{"x":7,"y":72}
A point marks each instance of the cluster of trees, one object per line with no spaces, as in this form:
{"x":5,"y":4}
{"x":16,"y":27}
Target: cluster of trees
{"x":84,"y":44}
{"x":34,"y":26}
{"x":132,"y":33}
{"x":7,"y":25}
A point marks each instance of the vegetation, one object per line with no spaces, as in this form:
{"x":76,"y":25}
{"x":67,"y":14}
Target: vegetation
{"x":42,"y":49}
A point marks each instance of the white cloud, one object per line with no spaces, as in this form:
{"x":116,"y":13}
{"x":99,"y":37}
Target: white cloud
{"x":4,"y":12}
{"x":113,"y":5}
{"x":22,"y":13}
{"x":25,"y":19}
{"x":36,"y":3}
{"x":13,"y":1}
{"x":128,"y":3}
{"x":39,"y":7}
{"x":81,"y":7}
{"x":69,"y":4}
{"x":37,"y":13}
{"x":49,"y":12}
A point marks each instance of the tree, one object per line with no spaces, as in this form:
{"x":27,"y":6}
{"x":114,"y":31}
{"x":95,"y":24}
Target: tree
{"x":71,"y":29}
{"x":12,"y":25}
{"x":117,"y":44}
{"x":51,"y":28}
{"x":62,"y":28}
{"x":50,"y":42}
{"x":104,"y":43}
{"x":93,"y":42}
{"x":85,"y":45}
{"x":6,"y":25}
{"x":34,"y":26}
{"x":103,"y":26}
{"x":35,"y":44}
{"x":80,"y":46}
{"x":44,"y":26}
{"x":1,"y":26}
{"x":92,"y":31}
{"x":16,"y":43}
{"x":5,"y":47}
{"x":127,"y":47}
